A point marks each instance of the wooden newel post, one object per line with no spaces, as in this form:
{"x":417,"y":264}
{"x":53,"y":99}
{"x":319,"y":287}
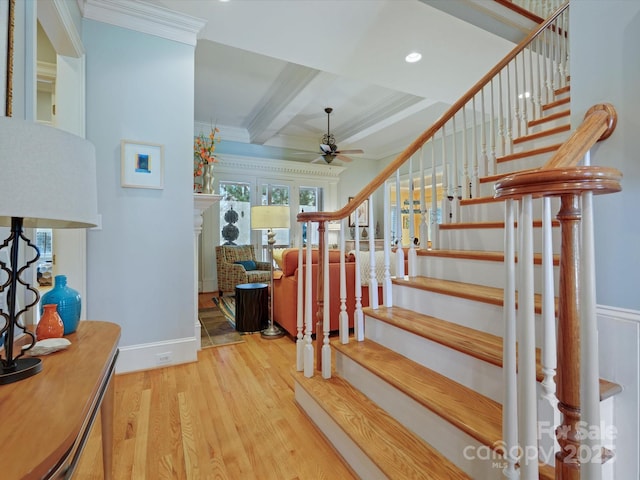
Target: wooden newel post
{"x":568,"y":370}
{"x":320,"y":296}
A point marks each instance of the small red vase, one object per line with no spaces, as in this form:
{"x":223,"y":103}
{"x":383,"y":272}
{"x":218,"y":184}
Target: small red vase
{"x":50,"y":324}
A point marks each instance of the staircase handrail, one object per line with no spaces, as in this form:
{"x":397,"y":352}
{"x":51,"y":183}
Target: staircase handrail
{"x":379,"y":180}
{"x":561,"y":172}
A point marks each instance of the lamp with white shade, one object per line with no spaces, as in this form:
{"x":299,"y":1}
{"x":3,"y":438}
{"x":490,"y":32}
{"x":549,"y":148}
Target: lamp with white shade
{"x":47,"y":180}
{"x":269,"y":217}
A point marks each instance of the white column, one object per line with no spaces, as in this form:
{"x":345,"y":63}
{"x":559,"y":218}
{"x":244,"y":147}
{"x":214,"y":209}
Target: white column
{"x":200,"y":203}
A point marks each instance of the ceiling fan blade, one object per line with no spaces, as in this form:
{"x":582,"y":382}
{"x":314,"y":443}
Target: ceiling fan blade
{"x":351,"y":151}
{"x":325,"y":148}
{"x":317,"y":159}
{"x":344,"y":158}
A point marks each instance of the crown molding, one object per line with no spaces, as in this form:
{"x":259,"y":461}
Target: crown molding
{"x":145,"y":18}
{"x":233,"y":164}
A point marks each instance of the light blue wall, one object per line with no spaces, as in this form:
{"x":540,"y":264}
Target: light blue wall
{"x":605,"y":67}
{"x":140,"y":264}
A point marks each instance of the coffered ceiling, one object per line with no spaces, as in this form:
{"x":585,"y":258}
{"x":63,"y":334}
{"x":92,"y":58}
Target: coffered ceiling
{"x":266,"y":70}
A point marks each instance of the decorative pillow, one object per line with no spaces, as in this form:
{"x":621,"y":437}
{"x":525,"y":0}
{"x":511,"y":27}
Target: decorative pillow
{"x":277,"y":256}
{"x":247,"y":264}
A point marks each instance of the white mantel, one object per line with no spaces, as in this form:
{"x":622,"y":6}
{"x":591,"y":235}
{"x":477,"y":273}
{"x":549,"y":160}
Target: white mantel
{"x":201,"y":202}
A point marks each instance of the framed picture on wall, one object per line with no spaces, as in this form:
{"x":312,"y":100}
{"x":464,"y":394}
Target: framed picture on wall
{"x":363,"y":215}
{"x":142,"y":165}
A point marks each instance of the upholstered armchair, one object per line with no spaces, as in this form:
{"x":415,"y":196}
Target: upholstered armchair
{"x":237,"y":264}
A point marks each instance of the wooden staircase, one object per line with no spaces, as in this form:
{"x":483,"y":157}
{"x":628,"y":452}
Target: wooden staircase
{"x":422,"y":393}
{"x":420,"y":397}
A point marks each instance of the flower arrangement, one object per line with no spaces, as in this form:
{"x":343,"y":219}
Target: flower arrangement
{"x":203,"y":148}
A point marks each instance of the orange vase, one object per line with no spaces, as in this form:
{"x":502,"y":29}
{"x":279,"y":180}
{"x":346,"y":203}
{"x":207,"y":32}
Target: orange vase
{"x":50,"y":324}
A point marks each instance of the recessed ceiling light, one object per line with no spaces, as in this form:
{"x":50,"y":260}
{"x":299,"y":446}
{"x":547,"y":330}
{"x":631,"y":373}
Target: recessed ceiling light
{"x":413,"y":57}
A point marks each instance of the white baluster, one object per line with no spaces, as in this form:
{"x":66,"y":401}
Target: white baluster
{"x":326,"y":318}
{"x":399,"y":250}
{"x":548,"y":308}
{"x":433,"y":220}
{"x":465,"y":190}
{"x":509,"y":361}
{"x":526,"y":346}
{"x":308,"y":348}
{"x":300,"y":311}
{"x":589,"y":357}
{"x":457,"y":188}
{"x":411,"y":254}
{"x":387,"y":297}
{"x":344,"y":315}
{"x":516,"y":100}
{"x":373,"y":278}
{"x":358,"y":319}
{"x":501,"y":126}
{"x":492,"y":135}
{"x":424,"y":226}
{"x":508,"y":109}
{"x":475,"y":183}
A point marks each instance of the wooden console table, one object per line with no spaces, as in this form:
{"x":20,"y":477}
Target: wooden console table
{"x":47,"y":418}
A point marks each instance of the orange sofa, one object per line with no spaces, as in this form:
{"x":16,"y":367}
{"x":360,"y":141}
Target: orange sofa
{"x":285,"y":290}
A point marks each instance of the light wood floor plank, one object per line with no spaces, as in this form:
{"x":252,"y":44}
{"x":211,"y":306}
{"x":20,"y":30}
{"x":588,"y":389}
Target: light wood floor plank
{"x":230,"y":415}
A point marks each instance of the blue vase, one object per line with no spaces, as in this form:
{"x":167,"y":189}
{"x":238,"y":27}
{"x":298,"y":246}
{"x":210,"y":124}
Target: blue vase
{"x":68,"y":301}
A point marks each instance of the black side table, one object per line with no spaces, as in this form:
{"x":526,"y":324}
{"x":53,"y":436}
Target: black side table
{"x":252,"y":307}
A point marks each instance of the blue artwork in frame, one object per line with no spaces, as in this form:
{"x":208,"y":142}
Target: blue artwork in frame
{"x":142,"y":165}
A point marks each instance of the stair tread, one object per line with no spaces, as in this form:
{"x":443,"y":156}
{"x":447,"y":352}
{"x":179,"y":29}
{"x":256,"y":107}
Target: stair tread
{"x":556,"y":103}
{"x":500,"y":176}
{"x":479,"y":255}
{"x":471,"y":412}
{"x":396,"y":451}
{"x":549,"y":118}
{"x":469,"y":291}
{"x":529,"y":153}
{"x":542,"y":134}
{"x":481,"y":345}
{"x":489,"y":224}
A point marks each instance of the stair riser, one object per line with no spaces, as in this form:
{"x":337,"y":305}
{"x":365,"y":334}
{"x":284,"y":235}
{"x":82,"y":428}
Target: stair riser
{"x":547,"y":139}
{"x":451,"y":442}
{"x":477,"y":315}
{"x":349,"y":450}
{"x":494,"y":211}
{"x":524,"y":163}
{"x":480,"y":272}
{"x":489,"y":239}
{"x":466,"y":370}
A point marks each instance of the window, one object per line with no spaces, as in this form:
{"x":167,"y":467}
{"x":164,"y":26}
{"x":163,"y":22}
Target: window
{"x":310,"y":200}
{"x":44,"y":240}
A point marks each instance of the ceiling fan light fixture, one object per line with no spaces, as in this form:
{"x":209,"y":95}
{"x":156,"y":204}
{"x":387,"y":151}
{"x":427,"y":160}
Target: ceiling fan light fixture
{"x":413,"y":57}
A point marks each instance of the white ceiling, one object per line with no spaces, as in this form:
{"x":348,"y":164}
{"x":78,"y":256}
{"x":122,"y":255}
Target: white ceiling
{"x":266,"y":69}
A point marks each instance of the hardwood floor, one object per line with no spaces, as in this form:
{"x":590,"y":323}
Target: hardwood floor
{"x":230,"y":415}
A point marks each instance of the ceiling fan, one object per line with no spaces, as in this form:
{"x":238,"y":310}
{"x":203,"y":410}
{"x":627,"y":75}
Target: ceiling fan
{"x":329,"y":149}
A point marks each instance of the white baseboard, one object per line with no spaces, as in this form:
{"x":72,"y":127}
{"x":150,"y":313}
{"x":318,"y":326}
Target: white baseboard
{"x":157,"y":355}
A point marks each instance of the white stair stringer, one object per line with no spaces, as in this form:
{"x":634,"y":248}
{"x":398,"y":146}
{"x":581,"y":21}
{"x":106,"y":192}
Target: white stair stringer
{"x":357,"y":460}
{"x":456,"y":445}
